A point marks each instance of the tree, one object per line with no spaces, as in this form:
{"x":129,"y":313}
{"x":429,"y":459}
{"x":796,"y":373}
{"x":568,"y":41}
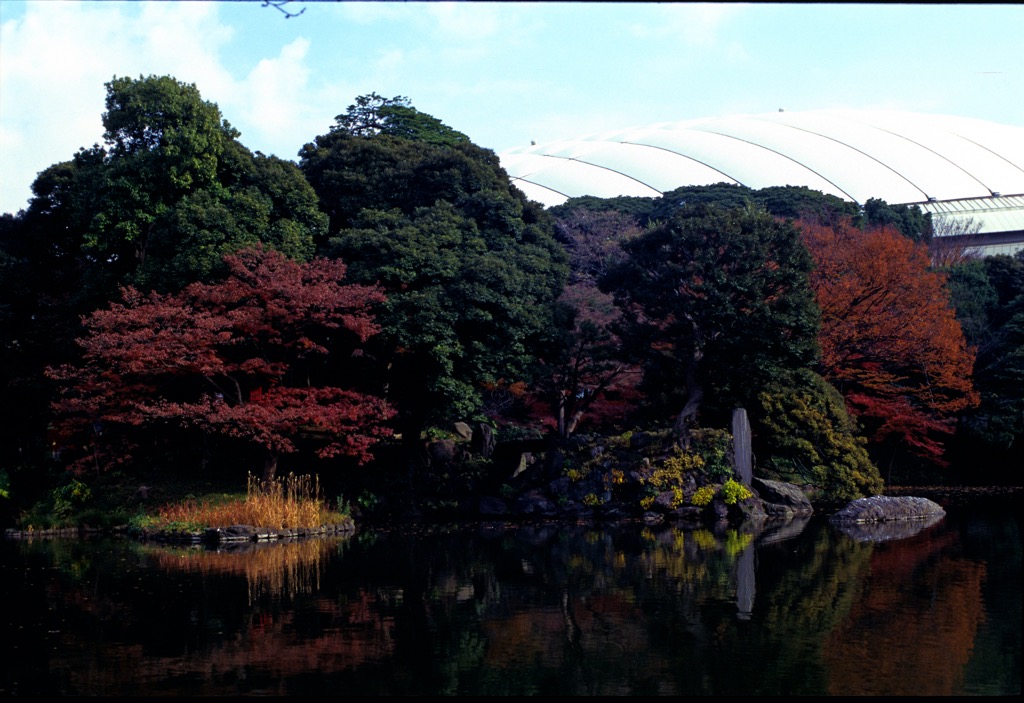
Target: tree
{"x":718,"y":302}
{"x":593,"y":240}
{"x":909,"y":220}
{"x":583,"y":368}
{"x":890,"y":341}
{"x":170,"y":193}
{"x":800,"y":202}
{"x":242,"y":358}
{"x":158,"y":206}
{"x":373,"y":114}
{"x":954,"y":240}
{"x":465,"y":305}
{"x":471,"y":268}
{"x":989,"y":298}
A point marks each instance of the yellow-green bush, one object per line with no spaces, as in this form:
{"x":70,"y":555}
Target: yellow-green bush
{"x":703,"y":495}
{"x":733,"y":491}
{"x":811,"y":438}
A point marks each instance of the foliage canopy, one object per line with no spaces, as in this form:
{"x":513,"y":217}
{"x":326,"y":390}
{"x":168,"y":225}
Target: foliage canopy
{"x":718,"y":303}
{"x":470,"y":267}
{"x":242,"y":358}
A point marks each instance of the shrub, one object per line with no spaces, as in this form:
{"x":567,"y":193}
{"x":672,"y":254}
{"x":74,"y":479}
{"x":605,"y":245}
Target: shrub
{"x":703,"y":496}
{"x":713,"y":448}
{"x":733,"y":491}
{"x":809,"y":432}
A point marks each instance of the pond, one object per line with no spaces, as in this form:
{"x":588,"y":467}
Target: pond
{"x":800,"y":608}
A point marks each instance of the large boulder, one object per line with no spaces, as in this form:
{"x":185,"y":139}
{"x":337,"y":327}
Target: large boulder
{"x":886,"y":530}
{"x":781,"y":499}
{"x":884,"y":508}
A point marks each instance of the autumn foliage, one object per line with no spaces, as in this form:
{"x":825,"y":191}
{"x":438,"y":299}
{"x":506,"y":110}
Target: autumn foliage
{"x":243,"y":358}
{"x":890,"y":341}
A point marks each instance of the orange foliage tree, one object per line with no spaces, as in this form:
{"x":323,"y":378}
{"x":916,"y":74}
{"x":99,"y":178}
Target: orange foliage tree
{"x":890,"y":341}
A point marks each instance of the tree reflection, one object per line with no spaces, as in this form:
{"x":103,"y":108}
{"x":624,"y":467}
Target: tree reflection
{"x":549,"y":609}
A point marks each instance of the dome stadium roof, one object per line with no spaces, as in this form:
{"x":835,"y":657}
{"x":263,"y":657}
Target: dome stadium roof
{"x":901,"y":158}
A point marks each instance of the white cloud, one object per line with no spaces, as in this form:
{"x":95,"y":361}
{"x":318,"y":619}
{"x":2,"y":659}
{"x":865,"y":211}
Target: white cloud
{"x":270,"y":100}
{"x":55,"y":59}
{"x":697,"y":24}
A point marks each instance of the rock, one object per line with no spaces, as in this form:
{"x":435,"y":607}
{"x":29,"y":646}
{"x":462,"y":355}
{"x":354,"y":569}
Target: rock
{"x":237,"y":532}
{"x":443,"y":453}
{"x":483,"y":440}
{"x":665,"y":501}
{"x":534,"y":502}
{"x":492,"y":506}
{"x":781,"y":499}
{"x":883,"y":508}
{"x":886,"y":530}
{"x":463,"y":431}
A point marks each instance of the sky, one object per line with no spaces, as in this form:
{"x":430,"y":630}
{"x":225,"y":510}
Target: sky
{"x":503,"y":73}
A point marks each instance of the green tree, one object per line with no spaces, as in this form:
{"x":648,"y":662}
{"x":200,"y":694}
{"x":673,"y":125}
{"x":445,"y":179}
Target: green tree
{"x":158,"y":206}
{"x":792,"y":202}
{"x":471,"y":268}
{"x":802,"y":203}
{"x":989,"y":298}
{"x":910,"y":220}
{"x":719,"y":303}
{"x":372,"y":114}
{"x":168,"y":195}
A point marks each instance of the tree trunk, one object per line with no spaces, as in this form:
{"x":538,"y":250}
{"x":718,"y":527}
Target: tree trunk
{"x":563,"y":431}
{"x":687,"y":418}
{"x":270,"y":466}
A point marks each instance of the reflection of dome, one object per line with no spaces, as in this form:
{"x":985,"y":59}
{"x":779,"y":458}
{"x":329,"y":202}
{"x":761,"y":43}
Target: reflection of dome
{"x":956,"y":166}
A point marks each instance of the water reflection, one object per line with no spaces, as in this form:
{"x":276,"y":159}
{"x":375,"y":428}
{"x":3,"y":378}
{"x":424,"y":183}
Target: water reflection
{"x":916,"y":590}
{"x":279,"y":569}
{"x":796,"y":609}
{"x":888,"y":530}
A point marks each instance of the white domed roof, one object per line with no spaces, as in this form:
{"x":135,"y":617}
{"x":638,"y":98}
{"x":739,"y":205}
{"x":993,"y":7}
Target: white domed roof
{"x":898,"y":157}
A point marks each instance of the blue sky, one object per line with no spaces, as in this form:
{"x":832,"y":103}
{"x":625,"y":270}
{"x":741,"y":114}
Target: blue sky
{"x":503,"y":73}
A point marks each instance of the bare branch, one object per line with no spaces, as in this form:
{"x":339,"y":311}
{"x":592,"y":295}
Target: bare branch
{"x":280,"y":5}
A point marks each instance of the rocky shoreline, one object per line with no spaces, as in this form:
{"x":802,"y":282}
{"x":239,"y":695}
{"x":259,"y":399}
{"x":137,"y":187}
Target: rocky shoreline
{"x":773,"y":502}
{"x":212,"y":536}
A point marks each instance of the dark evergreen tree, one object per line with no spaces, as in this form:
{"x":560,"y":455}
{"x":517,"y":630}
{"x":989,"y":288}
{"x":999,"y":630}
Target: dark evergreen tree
{"x":989,"y":298}
{"x":718,"y":304}
{"x":471,"y":268}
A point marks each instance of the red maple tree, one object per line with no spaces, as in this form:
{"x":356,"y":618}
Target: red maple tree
{"x":890,"y":341}
{"x":243,"y":358}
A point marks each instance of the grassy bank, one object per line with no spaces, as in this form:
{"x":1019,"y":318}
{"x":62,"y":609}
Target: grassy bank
{"x":287,"y":502}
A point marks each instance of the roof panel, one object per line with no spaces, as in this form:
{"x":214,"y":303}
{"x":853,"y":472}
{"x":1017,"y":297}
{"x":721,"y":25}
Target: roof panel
{"x":742,"y":162}
{"x":576,"y":178}
{"x":898,"y":157}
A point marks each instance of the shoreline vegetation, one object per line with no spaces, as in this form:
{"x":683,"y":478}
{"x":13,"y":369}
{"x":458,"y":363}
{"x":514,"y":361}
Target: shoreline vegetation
{"x":224,"y":534}
{"x":294,"y":507}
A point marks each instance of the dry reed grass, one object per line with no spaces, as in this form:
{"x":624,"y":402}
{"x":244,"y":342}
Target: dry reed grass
{"x":284,"y":503}
{"x":285,"y":570}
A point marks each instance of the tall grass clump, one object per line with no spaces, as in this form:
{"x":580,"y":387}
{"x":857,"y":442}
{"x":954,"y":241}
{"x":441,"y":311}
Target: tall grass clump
{"x":284,"y":503}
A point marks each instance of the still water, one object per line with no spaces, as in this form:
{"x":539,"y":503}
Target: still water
{"x":799,"y":609}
